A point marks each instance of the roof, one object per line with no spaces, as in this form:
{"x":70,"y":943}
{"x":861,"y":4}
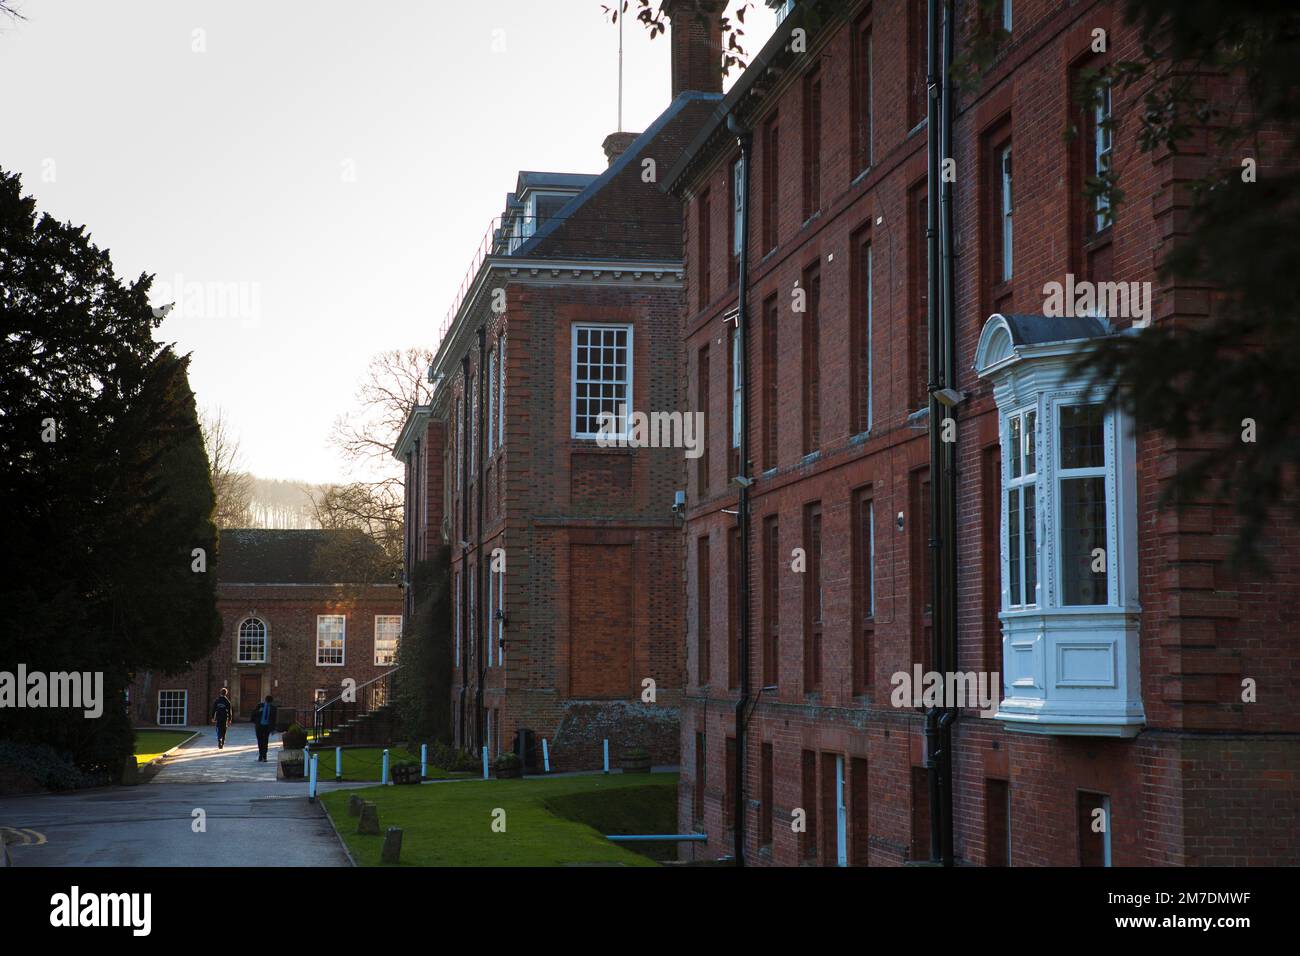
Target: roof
{"x":1039,"y":329}
{"x":756,"y":80}
{"x":299,"y":556}
{"x":416,"y":419}
{"x":1006,"y":339}
{"x":629,"y":155}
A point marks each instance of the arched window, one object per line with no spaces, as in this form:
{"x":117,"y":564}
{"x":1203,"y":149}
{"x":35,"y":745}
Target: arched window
{"x":252,"y":642}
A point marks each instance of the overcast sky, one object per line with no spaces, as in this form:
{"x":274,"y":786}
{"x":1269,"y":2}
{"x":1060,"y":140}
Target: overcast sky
{"x":328,"y":166}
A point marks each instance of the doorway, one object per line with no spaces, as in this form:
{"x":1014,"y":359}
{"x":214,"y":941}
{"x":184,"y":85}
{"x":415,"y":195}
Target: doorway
{"x":250,"y":689}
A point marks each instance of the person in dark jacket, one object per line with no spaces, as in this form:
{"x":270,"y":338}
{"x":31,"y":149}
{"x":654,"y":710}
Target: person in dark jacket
{"x":263,"y":724}
{"x":222,"y":710}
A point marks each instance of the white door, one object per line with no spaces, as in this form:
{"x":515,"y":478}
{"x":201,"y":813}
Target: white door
{"x":841,"y":817}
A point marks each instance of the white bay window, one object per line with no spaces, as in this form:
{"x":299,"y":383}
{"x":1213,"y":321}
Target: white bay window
{"x":1068,"y":558}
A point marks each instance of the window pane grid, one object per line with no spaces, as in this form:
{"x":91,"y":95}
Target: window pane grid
{"x":388,"y":629}
{"x":601,"y":375}
{"x":252,"y":642}
{"x":329,"y":639}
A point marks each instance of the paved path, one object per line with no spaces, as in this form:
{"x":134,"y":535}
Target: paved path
{"x":199,"y":761}
{"x":251,"y":819}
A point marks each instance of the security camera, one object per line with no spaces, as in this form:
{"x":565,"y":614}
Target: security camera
{"x":679,"y":502}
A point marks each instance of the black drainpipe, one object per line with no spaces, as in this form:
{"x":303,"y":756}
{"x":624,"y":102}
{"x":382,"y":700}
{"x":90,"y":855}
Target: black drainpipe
{"x":744,"y":137}
{"x":933,"y":747}
{"x":950,"y":381}
{"x":481,"y":619}
{"x":463,"y":597}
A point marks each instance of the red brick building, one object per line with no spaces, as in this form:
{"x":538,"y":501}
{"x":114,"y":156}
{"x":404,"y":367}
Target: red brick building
{"x":566,"y":594}
{"x":1121,"y":639}
{"x":301,"y":611}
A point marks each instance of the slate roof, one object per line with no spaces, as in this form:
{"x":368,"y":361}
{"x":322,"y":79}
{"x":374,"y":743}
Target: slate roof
{"x":1040,"y":329}
{"x":299,"y":556}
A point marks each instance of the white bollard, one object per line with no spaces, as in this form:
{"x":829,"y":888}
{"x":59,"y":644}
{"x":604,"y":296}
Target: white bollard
{"x":485,"y":769}
{"x":311,"y":781}
{"x":606,"y":755}
{"x":338,"y":763}
{"x":546,"y":757}
{"x":424,"y":761}
{"x":384,"y":777}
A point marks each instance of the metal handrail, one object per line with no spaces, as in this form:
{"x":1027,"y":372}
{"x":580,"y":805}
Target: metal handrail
{"x":336,"y":705}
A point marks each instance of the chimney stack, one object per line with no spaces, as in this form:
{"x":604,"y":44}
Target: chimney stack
{"x":697,"y":44}
{"x":616,"y":143}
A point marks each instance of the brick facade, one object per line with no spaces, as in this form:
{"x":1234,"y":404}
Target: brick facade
{"x":591,"y":594}
{"x":1208,"y":780}
{"x":289,"y":609}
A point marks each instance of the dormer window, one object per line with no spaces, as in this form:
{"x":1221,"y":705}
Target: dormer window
{"x":1069,"y":533}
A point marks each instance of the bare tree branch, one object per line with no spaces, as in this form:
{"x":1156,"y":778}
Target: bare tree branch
{"x":231,"y":483}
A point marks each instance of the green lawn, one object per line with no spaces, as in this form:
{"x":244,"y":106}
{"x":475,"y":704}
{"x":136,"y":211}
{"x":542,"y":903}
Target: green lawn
{"x":366,"y":763}
{"x":450,"y":824}
{"x":150,"y":744}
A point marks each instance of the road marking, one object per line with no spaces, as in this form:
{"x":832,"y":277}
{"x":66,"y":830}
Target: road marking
{"x":22,"y":836}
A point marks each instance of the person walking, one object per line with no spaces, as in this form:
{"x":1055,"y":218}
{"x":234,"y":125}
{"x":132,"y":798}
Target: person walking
{"x":221,"y":711}
{"x":263,"y":724}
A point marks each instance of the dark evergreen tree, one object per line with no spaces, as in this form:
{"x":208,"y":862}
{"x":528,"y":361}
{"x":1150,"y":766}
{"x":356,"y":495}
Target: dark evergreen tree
{"x":104,"y":479}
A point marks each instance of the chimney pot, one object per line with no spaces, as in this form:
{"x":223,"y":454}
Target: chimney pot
{"x":696,"y":32}
{"x":616,"y":143}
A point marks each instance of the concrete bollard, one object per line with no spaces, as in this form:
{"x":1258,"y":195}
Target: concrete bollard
{"x":392,"y":849}
{"x":369,"y":821}
{"x":130,"y":772}
{"x":354,"y":805}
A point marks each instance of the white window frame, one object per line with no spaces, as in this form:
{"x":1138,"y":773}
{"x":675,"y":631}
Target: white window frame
{"x":1062,"y":475}
{"x":871,"y":401}
{"x":1006,"y":210}
{"x":501,"y":394}
{"x":628,"y":393}
{"x":489,"y":641}
{"x":473,"y":426}
{"x":500,"y":624}
{"x":1026,"y":420}
{"x":343,"y":639}
{"x":320,"y":695}
{"x":1066,"y":669}
{"x":396,"y":639}
{"x":871,"y":557}
{"x":460,"y":445}
{"x":184,"y":707}
{"x":239,"y":641}
{"x":737,"y":386}
{"x":737,"y":205}
{"x":491,"y":400}
{"x":1103,"y":145}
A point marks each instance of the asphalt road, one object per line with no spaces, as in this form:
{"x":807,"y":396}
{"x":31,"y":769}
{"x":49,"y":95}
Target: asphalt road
{"x":250,"y":818}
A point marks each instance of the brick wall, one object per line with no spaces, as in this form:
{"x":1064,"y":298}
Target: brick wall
{"x":1192,"y":788}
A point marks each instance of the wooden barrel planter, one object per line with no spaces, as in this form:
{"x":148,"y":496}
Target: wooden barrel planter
{"x":405,"y":773}
{"x":506,"y":766}
{"x":636,"y":760}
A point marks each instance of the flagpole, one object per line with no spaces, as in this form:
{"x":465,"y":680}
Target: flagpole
{"x":622,"y":13}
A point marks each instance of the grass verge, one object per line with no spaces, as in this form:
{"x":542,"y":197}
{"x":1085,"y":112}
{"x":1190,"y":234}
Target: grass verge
{"x":366,"y":763}
{"x":152,"y":744}
{"x":451,"y":824}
